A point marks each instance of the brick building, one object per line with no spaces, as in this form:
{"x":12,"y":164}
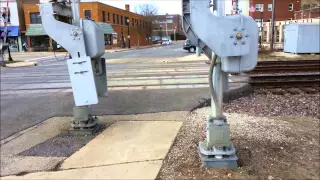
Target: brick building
{"x":123,"y":23}
{"x":284,"y":9}
{"x":163,"y":26}
{"x":313,"y":12}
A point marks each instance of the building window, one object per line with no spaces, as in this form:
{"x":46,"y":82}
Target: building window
{"x":113,"y":18}
{"x":108,"y":16}
{"x":290,"y":7}
{"x":35,"y":18}
{"x":87,"y":14}
{"x":118,"y":22}
{"x":103,"y":16}
{"x":269,"y":7}
{"x":121,"y":20}
{"x":132,"y":21}
{"x":259,"y":7}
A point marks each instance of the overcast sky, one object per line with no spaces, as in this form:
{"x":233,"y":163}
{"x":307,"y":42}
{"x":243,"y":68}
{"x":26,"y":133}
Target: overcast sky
{"x":164,"y":6}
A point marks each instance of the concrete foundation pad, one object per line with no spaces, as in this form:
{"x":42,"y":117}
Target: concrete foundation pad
{"x":138,"y":170}
{"x":125,"y":142}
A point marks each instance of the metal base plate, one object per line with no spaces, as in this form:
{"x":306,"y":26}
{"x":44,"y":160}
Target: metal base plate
{"x":85,"y":131}
{"x":212,"y":162}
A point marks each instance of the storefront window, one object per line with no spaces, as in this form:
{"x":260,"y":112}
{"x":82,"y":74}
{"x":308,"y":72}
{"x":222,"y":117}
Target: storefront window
{"x":13,"y":44}
{"x":40,"y":43}
{"x":107,"y":40}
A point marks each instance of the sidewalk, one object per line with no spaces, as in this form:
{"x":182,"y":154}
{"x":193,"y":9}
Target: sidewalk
{"x":132,"y":147}
{"x":34,"y":56}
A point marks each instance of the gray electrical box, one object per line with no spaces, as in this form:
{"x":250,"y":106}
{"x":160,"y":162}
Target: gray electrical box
{"x":94,"y":38}
{"x":302,"y":38}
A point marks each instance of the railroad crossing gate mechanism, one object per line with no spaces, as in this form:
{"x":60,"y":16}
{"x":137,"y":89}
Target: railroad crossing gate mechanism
{"x":230,"y":41}
{"x":232,"y":44}
{"x":84,"y":40}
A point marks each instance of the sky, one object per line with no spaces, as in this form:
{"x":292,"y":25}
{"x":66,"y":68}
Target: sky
{"x":164,"y":6}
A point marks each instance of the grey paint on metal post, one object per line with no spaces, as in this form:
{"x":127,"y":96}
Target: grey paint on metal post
{"x":84,"y":40}
{"x":198,"y":52}
{"x":234,"y":40}
{"x":75,"y":12}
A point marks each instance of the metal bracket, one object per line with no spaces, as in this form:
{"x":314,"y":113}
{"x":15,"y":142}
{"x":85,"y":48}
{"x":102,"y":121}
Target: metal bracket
{"x":73,"y":41}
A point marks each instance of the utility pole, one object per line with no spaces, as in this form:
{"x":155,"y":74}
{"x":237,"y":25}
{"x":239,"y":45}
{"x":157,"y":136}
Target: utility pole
{"x":167,"y":29}
{"x":128,"y":21}
{"x":272,"y":24}
{"x":174,"y":35}
{"x":160,"y":34}
{"x":261,"y":26}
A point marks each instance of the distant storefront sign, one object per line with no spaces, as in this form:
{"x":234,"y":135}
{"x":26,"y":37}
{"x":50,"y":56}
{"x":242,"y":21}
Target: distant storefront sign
{"x":165,"y":21}
{"x":170,"y":17}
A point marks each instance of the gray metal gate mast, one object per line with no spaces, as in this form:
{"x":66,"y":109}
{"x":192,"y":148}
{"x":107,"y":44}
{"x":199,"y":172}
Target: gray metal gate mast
{"x":84,"y":40}
{"x":231,"y":42}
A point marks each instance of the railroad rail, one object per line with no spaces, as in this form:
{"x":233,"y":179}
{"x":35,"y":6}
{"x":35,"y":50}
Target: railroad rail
{"x":286,"y":74}
{"x":288,"y":66}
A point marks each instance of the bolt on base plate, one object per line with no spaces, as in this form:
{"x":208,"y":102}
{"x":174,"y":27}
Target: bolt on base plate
{"x":85,"y":131}
{"x":213,"y":162}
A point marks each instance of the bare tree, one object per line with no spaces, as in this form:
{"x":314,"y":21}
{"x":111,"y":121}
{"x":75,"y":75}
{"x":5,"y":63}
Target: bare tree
{"x":148,"y":10}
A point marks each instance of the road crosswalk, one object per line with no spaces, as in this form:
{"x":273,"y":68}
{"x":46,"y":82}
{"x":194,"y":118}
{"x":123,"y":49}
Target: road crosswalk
{"x":131,"y":76}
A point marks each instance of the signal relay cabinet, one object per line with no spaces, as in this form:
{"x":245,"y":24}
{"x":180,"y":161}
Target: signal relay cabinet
{"x":302,"y":38}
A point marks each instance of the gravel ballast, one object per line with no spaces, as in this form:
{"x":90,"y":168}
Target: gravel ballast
{"x":277,"y":137}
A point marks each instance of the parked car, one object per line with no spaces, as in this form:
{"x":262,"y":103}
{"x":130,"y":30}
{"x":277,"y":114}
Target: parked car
{"x":167,"y":42}
{"x":189,"y":46}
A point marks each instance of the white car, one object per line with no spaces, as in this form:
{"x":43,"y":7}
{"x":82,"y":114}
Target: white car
{"x":167,"y":42}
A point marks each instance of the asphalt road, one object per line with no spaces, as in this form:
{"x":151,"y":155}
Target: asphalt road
{"x":30,"y":95}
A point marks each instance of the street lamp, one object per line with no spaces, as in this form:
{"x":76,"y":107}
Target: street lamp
{"x":128,"y":21}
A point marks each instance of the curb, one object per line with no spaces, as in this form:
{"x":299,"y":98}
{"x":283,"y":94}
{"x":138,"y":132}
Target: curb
{"x":21,"y":64}
{"x":134,"y":49}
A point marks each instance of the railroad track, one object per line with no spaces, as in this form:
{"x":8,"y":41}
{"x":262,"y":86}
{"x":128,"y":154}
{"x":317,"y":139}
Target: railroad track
{"x":286,"y":74}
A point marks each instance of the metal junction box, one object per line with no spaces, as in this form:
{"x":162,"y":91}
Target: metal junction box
{"x":302,"y":38}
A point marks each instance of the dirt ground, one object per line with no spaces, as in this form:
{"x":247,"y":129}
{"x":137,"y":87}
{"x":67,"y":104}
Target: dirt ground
{"x":277,"y":137}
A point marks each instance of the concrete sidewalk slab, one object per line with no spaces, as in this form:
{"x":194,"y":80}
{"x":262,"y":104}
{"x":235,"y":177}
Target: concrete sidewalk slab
{"x":125,"y":142}
{"x":139,"y":170}
{"x":21,"y":64}
{"x":161,"y":116}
